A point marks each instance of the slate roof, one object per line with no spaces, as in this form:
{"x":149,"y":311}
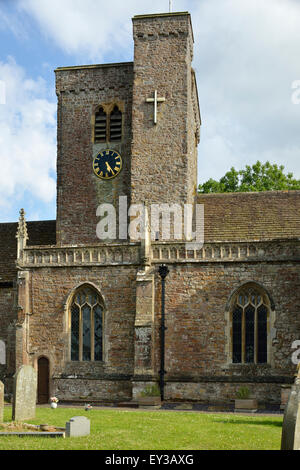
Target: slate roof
{"x":251,"y":216}
{"x":40,"y":233}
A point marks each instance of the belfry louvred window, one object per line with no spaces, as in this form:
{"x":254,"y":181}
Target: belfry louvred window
{"x":100,"y":126}
{"x":250,"y":316}
{"x":86,"y":327}
{"x":108,"y":126}
{"x":115,"y":127}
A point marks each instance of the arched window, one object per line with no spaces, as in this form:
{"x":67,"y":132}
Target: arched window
{"x":100,"y":126}
{"x":86,"y":313}
{"x":250,"y":314}
{"x":115,"y":128}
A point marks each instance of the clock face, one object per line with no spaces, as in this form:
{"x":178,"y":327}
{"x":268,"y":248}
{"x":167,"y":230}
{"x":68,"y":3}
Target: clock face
{"x":107,"y":164}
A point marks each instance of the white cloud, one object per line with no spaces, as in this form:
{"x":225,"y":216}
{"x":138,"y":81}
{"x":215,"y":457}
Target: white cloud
{"x":12,"y":22}
{"x":90,"y":29}
{"x":27,"y":136}
{"x":246,"y":61}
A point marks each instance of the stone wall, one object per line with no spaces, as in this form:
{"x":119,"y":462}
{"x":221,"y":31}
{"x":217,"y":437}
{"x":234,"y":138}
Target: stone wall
{"x":196,"y":304}
{"x":80,"y":91}
{"x":50,"y":323}
{"x":223,"y":393}
{"x":41,"y":232}
{"x":198,"y":292}
{"x":198,"y":335}
{"x":159,"y":161}
{"x":164,"y":154}
{"x":7,"y":312}
{"x":91,"y":389}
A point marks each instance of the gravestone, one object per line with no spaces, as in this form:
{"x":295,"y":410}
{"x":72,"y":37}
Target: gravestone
{"x":24,"y":397}
{"x":290,"y":437}
{"x":285,"y":393}
{"x":1,"y":401}
{"x":78,"y":426}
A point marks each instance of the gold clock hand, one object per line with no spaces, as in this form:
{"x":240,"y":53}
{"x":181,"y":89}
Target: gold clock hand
{"x":108,"y":167}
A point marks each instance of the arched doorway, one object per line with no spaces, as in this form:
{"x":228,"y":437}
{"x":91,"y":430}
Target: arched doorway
{"x":43,"y":380}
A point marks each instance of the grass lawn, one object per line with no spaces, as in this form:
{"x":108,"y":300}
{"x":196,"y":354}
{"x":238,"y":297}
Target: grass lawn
{"x":113,"y":429}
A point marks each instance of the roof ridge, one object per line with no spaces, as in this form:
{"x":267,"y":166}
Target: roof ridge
{"x":236,"y":193}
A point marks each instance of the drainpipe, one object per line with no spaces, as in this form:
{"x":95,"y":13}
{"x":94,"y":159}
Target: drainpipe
{"x":163,"y":271}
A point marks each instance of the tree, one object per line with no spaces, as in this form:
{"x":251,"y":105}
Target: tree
{"x":258,"y":177}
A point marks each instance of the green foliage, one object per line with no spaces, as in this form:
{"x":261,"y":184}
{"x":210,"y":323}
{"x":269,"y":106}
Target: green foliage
{"x":258,"y":177}
{"x":243,"y":393}
{"x":151,"y":391}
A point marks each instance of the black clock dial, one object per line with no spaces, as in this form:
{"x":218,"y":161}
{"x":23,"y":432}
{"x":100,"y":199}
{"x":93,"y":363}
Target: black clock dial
{"x":107,"y":164}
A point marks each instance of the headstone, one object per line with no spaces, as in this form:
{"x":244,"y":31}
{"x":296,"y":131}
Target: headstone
{"x":285,"y":393}
{"x":1,"y":401}
{"x":78,"y":426}
{"x":24,"y":398}
{"x":290,"y":437}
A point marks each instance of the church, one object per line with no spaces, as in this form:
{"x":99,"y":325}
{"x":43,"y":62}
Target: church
{"x":87,"y":312}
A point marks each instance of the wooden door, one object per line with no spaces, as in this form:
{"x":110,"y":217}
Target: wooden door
{"x":43,"y":380}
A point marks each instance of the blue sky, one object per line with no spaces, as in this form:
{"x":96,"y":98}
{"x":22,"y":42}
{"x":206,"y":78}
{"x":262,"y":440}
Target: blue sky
{"x":246,"y":61}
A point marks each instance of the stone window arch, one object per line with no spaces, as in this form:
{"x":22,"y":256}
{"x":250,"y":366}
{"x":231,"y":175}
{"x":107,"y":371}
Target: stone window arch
{"x":86,"y":313}
{"x":250,"y":312}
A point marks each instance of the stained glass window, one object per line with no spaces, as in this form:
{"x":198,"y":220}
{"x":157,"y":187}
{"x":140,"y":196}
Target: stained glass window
{"x":249,"y":333}
{"x":75,"y":332}
{"x":262,"y":314}
{"x":86,"y":325}
{"x":237,"y":334}
{"x":249,"y":326}
{"x":86,"y":332}
{"x":98,"y":332}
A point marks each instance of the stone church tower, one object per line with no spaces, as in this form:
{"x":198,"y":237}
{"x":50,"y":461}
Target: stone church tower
{"x":157,"y":140}
{"x":86,"y":311}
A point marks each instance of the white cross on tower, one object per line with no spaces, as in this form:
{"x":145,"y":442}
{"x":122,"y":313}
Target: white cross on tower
{"x":155,"y":100}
